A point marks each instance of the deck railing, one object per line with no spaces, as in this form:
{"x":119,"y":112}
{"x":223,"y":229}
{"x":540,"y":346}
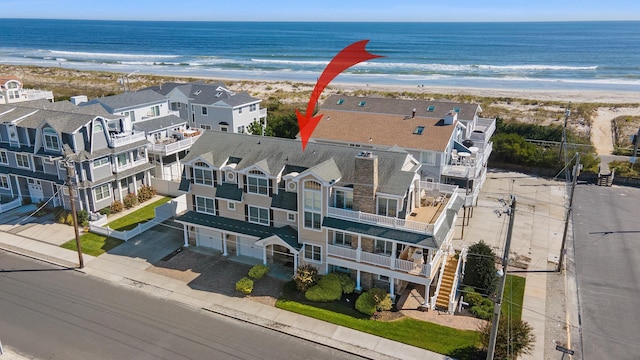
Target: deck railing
{"x":386,"y":221}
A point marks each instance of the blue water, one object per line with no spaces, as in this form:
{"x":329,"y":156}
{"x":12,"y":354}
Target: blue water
{"x":552,"y":55}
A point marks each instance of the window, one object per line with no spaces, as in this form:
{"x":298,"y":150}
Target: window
{"x":259,"y":215}
{"x":291,"y":217}
{"x":388,"y":207}
{"x":131,"y":115}
{"x":383,"y":278}
{"x":343,"y":239}
{"x":431,"y":108}
{"x":224,"y":128}
{"x":361,"y":103}
{"x":123,"y":159}
{"x":418,"y":130}
{"x":457,"y":109}
{"x":102,"y":192}
{"x":340,"y":101}
{"x":206,"y":127}
{"x":97,"y":128}
{"x":239,"y":110}
{"x":384,"y":247}
{"x":428,"y":157}
{"x":100,"y":162}
{"x":313,"y":252}
{"x":253,"y":107}
{"x":241,"y":129}
{"x":204,"y":111}
{"x":343,"y":199}
{"x":179,"y":105}
{"x":231,"y":205}
{"x":257,"y":183}
{"x":312,"y":204}
{"x":4,"y":182}
{"x":51,"y":141}
{"x":23,"y":161}
{"x":205,"y":205}
{"x":3,"y":157}
{"x":202,"y":175}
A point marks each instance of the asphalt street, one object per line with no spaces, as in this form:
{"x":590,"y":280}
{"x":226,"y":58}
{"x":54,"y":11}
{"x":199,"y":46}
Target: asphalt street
{"x":607,"y":254}
{"x":51,"y":313}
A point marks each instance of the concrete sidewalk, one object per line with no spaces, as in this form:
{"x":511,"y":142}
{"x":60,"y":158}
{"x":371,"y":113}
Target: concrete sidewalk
{"x":130,"y":271}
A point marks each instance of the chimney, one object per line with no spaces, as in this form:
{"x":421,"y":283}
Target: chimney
{"x":364,"y":190}
{"x":450,"y":117}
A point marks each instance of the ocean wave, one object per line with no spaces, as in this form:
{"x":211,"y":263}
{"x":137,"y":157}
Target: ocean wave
{"x":86,"y":54}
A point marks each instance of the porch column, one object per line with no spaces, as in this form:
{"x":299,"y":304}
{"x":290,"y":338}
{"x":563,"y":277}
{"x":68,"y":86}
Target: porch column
{"x":358,"y":287}
{"x":224,"y":245}
{"x":179,"y":168}
{"x":430,"y":255}
{"x":264,"y":255}
{"x":119,"y":190}
{"x":147,"y":178}
{"x":392,"y":283}
{"x":18,"y":186}
{"x":295,"y":262}
{"x":86,"y":198}
{"x":394,"y":249}
{"x":426,"y":293}
{"x":135,"y":185}
{"x":161,"y":168}
{"x":358,"y":251}
{"x":186,"y":235}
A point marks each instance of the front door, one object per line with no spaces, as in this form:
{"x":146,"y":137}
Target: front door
{"x":35,"y":190}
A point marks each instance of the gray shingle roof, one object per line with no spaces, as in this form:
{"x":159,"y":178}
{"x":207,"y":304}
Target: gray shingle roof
{"x":229,"y":191}
{"x":216,"y":147}
{"x":285,"y":200}
{"x":127,"y":100}
{"x":158,"y":123}
{"x":399,"y":107}
{"x":240,"y":99}
{"x":380,"y":232}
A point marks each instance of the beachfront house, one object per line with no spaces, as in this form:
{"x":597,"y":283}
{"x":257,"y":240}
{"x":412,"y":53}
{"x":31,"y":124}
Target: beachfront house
{"x":13,"y":91}
{"x":38,"y":139}
{"x":451,"y":140}
{"x":213,"y":106}
{"x":170,"y":137}
{"x":363,"y":212}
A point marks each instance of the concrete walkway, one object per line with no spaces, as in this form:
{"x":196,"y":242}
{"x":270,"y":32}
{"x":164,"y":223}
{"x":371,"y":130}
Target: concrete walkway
{"x":124,"y":269}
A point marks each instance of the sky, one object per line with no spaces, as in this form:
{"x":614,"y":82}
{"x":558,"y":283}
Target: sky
{"x":325,"y":10}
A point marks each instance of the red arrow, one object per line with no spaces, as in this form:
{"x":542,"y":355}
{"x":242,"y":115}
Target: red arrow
{"x":349,"y":56}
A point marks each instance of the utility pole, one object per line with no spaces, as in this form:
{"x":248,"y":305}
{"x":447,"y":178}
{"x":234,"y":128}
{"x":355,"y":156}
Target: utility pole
{"x":636,"y":143}
{"x":567,"y":113}
{"x":71,"y":179}
{"x":563,"y":250}
{"x":505,"y":261}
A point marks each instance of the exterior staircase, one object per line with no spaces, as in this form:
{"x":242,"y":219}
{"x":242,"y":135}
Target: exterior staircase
{"x":447,"y":285}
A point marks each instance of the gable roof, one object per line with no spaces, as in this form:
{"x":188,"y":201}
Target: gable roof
{"x":115,"y":103}
{"x":63,"y":117}
{"x":158,"y":123}
{"x":330,"y":162}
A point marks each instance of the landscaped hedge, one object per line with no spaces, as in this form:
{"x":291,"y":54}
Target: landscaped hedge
{"x":347,"y":283}
{"x":374,"y":300}
{"x":244,"y":286}
{"x":306,"y":276}
{"x":116,"y":207}
{"x":328,"y":288}
{"x":366,"y":304}
{"x":258,"y":271}
{"x":145,"y":193}
{"x":130,"y":201}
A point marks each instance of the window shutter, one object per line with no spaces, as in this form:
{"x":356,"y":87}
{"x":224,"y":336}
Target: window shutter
{"x":193,"y":202}
{"x":270,"y":187}
{"x":244,"y":182}
{"x":246,"y":212}
{"x":216,"y":207}
{"x":215,"y":178}
{"x":271,"y":217}
{"x":191,"y":174}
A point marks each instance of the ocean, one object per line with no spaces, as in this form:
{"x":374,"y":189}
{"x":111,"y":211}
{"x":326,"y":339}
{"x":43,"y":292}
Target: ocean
{"x":531,"y":55}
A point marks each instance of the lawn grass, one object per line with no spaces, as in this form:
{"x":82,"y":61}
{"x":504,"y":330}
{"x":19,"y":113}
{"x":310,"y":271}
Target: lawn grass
{"x":513,"y":296}
{"x":96,"y":244}
{"x":425,"y":335}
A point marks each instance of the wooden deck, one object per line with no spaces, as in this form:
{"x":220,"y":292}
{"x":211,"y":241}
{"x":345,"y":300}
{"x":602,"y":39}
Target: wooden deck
{"x":428,"y":214}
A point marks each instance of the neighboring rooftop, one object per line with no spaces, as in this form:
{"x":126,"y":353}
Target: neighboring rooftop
{"x":127,"y":100}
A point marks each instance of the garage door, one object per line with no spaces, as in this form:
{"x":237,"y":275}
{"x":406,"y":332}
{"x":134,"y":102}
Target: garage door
{"x":247,"y":247}
{"x":209,"y":238}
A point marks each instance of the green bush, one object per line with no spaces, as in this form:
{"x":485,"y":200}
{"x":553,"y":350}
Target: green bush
{"x":61,"y":216}
{"x":483,"y":309}
{"x":472,"y":297}
{"x":480,"y":270}
{"x":366,"y":304}
{"x":244,"y":286}
{"x":69,"y":219}
{"x":347,"y":283}
{"x":83,"y":217}
{"x":116,"y":207}
{"x":258,"y":271}
{"x":105,"y":211}
{"x":130,"y":201}
{"x":306,"y":276}
{"x":327,"y":289}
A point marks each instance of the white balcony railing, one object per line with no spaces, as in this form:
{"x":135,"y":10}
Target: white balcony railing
{"x":263,"y":112}
{"x":174,"y":147}
{"x":15,"y":203}
{"x":436,"y":186}
{"x":380,"y":220}
{"x":117,"y":168}
{"x":399,"y":265}
{"x":127,"y":138}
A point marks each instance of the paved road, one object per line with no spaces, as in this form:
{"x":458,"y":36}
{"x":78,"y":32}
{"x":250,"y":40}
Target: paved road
{"x":607,"y":253}
{"x":50,"y":313}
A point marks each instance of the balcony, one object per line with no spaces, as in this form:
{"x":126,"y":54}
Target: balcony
{"x":32,"y":94}
{"x":118,"y":168}
{"x":170,"y":146}
{"x":121,"y":139}
{"x":170,"y":112}
{"x":406,"y":267}
{"x":263,"y":113}
{"x":380,"y":220}
{"x":471,"y":167}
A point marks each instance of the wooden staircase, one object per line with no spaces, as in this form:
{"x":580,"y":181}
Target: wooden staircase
{"x":446,"y":287}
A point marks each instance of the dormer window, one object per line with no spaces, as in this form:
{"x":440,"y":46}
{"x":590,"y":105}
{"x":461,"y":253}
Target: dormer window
{"x":51,"y":140}
{"x":361,"y":103}
{"x":257,"y":183}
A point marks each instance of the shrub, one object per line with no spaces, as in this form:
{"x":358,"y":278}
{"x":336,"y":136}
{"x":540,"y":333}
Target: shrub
{"x":365,"y":304}
{"x":83,"y":217}
{"x":145,"y":193}
{"x":244,"y":286}
{"x":514,"y":339}
{"x":483,"y":309}
{"x":69,"y":219}
{"x":106,"y":211}
{"x":306,"y":276}
{"x":348,"y":285}
{"x":258,"y":271}
{"x":472,"y":297}
{"x":116,"y":207}
{"x":327,"y":289}
{"x":480,"y":270}
{"x":130,"y":201}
